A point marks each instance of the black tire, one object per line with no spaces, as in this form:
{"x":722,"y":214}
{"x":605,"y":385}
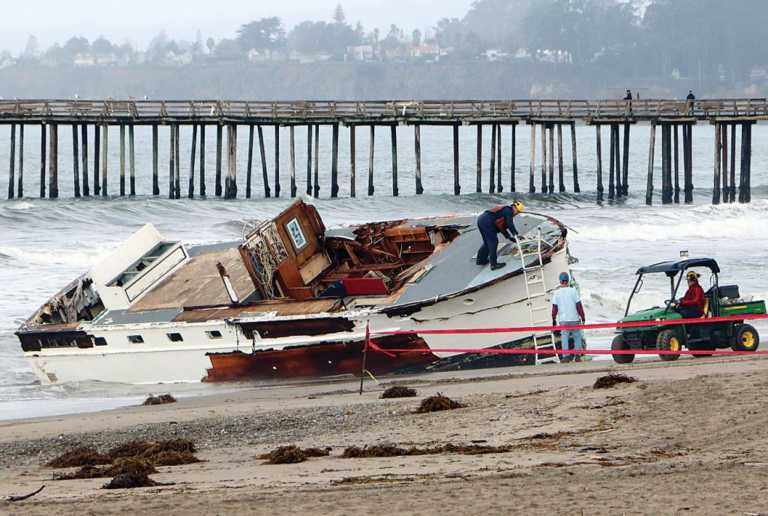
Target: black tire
{"x":745,"y":339}
{"x":619,"y":344}
{"x":668,"y":341}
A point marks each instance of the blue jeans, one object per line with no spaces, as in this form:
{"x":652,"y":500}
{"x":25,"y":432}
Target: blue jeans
{"x":565,"y":337}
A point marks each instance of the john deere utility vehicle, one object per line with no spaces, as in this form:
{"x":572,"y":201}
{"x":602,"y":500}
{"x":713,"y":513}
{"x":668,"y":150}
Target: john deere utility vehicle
{"x":721,"y":300}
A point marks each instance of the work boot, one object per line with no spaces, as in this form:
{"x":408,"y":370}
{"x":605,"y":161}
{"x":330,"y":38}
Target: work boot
{"x":497,"y":266}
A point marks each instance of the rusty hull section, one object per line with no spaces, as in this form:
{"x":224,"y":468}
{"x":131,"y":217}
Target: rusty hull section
{"x":319,"y":360}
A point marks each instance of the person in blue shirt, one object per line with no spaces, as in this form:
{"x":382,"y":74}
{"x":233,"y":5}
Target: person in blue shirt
{"x":491,"y":223}
{"x":567,"y":310}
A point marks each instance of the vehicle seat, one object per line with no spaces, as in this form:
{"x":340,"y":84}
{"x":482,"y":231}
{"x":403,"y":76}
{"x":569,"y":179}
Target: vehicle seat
{"x":706,"y":309}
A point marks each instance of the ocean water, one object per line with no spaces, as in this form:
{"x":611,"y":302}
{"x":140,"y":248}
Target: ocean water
{"x":44,"y":244}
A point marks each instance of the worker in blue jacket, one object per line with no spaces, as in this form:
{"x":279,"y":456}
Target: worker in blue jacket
{"x":491,"y":223}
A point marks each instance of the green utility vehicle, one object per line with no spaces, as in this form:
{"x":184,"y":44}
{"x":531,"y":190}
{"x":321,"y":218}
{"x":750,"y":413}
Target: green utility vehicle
{"x":720,"y":301}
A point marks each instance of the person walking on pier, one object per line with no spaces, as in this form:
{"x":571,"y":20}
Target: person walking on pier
{"x":628,"y":98}
{"x":567,"y":310}
{"x":491,"y":223}
{"x":689,"y":100}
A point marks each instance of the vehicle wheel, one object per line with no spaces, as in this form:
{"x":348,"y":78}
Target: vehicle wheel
{"x":746,"y":339}
{"x":620,"y":344}
{"x":668,"y":341}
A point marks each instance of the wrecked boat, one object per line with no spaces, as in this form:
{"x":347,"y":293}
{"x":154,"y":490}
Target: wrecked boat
{"x":293,"y":300}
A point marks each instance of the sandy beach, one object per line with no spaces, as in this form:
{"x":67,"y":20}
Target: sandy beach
{"x":687,"y":437}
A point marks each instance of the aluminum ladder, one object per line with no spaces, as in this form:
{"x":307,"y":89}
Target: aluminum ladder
{"x":539,"y":308}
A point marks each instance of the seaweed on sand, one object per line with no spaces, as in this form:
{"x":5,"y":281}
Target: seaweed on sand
{"x":609,"y":380}
{"x":438,"y":402}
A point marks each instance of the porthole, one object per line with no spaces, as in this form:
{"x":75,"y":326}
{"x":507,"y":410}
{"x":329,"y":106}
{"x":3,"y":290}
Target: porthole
{"x":214,"y":334}
{"x":175,"y":337}
{"x":135,"y":339}
{"x":100,"y":341}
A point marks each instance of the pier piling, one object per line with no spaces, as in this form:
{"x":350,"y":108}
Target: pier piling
{"x":651,"y":156}
{"x":335,"y":163}
{"x":393,"y":138}
{"x":96,"y":160}
{"x":155,"y":161}
{"x":612,"y":161}
{"x":732,"y":188}
{"x":249,"y":165}
{"x":316,"y":185}
{"x":492,"y":171}
{"x":617,"y":160}
{"x":560,"y":170}
{"x":513,"y":159}
{"x":417,"y":155}
{"x":551,"y":129}
{"x":230,"y":183}
{"x":75,"y":160}
{"x":11,"y":174}
{"x":716,"y":174}
{"x":219,"y":158}
{"x":532,"y":172}
{"x":277,"y":161}
{"x":292,"y":155}
{"x":371,"y":148}
{"x":177,"y":172}
{"x":479,"y":163}
{"x":353,"y":164}
{"x":105,"y":161}
{"x":43,"y":153}
{"x":309,"y":159}
{"x":676,"y":154}
{"x":687,"y":163}
{"x":172,"y":162}
{"x":20,"y":189}
{"x":122,"y":160}
{"x":192,"y":158}
{"x":132,"y":160}
{"x":53,"y":162}
{"x":625,"y":162}
{"x":84,"y":159}
{"x":499,"y":184}
{"x":202,"y":161}
{"x":544,"y":188}
{"x":456,"y":183}
{"x":666,"y":164}
{"x":574,"y":157}
{"x":599,"y":160}
{"x":264,"y":172}
{"x":725,"y":190}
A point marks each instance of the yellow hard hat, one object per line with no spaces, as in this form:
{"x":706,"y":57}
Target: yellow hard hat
{"x":519,"y":206}
{"x":692,"y":274}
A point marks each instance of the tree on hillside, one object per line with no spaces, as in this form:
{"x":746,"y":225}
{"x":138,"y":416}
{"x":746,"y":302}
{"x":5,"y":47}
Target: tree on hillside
{"x":263,"y":34}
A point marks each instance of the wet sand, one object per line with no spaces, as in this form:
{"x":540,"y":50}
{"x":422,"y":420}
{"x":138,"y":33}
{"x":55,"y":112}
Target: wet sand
{"x":688,"y":437}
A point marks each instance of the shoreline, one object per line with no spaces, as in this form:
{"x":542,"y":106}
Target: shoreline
{"x":682,"y":421}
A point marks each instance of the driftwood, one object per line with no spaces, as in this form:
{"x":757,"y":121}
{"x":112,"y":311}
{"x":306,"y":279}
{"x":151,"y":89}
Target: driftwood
{"x":19,"y":498}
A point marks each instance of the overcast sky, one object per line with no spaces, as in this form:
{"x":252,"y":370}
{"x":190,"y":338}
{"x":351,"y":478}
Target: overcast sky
{"x":138,"y":21}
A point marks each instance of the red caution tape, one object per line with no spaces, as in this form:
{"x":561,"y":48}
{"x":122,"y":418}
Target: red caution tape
{"x":592,"y":326}
{"x":595,"y":326}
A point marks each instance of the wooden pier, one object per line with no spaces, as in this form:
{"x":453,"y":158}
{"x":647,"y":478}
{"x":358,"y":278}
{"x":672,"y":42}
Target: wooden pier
{"x":547,"y":117}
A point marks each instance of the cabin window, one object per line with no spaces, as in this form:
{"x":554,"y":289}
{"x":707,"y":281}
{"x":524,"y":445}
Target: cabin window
{"x":175,"y":337}
{"x":213,"y":334}
{"x":100,"y":341}
{"x":297,"y":235}
{"x":135,"y":339}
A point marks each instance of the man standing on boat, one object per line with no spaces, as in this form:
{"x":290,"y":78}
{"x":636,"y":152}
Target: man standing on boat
{"x":491,"y":223}
{"x":568,"y":311}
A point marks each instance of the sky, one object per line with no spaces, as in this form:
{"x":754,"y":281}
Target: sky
{"x":138,"y":21}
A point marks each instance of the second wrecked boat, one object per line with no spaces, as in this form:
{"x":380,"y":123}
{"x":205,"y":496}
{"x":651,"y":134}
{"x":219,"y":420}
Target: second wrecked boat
{"x":291,"y":300}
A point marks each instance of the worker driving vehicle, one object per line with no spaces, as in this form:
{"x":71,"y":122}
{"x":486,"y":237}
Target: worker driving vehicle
{"x":692,"y":304}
